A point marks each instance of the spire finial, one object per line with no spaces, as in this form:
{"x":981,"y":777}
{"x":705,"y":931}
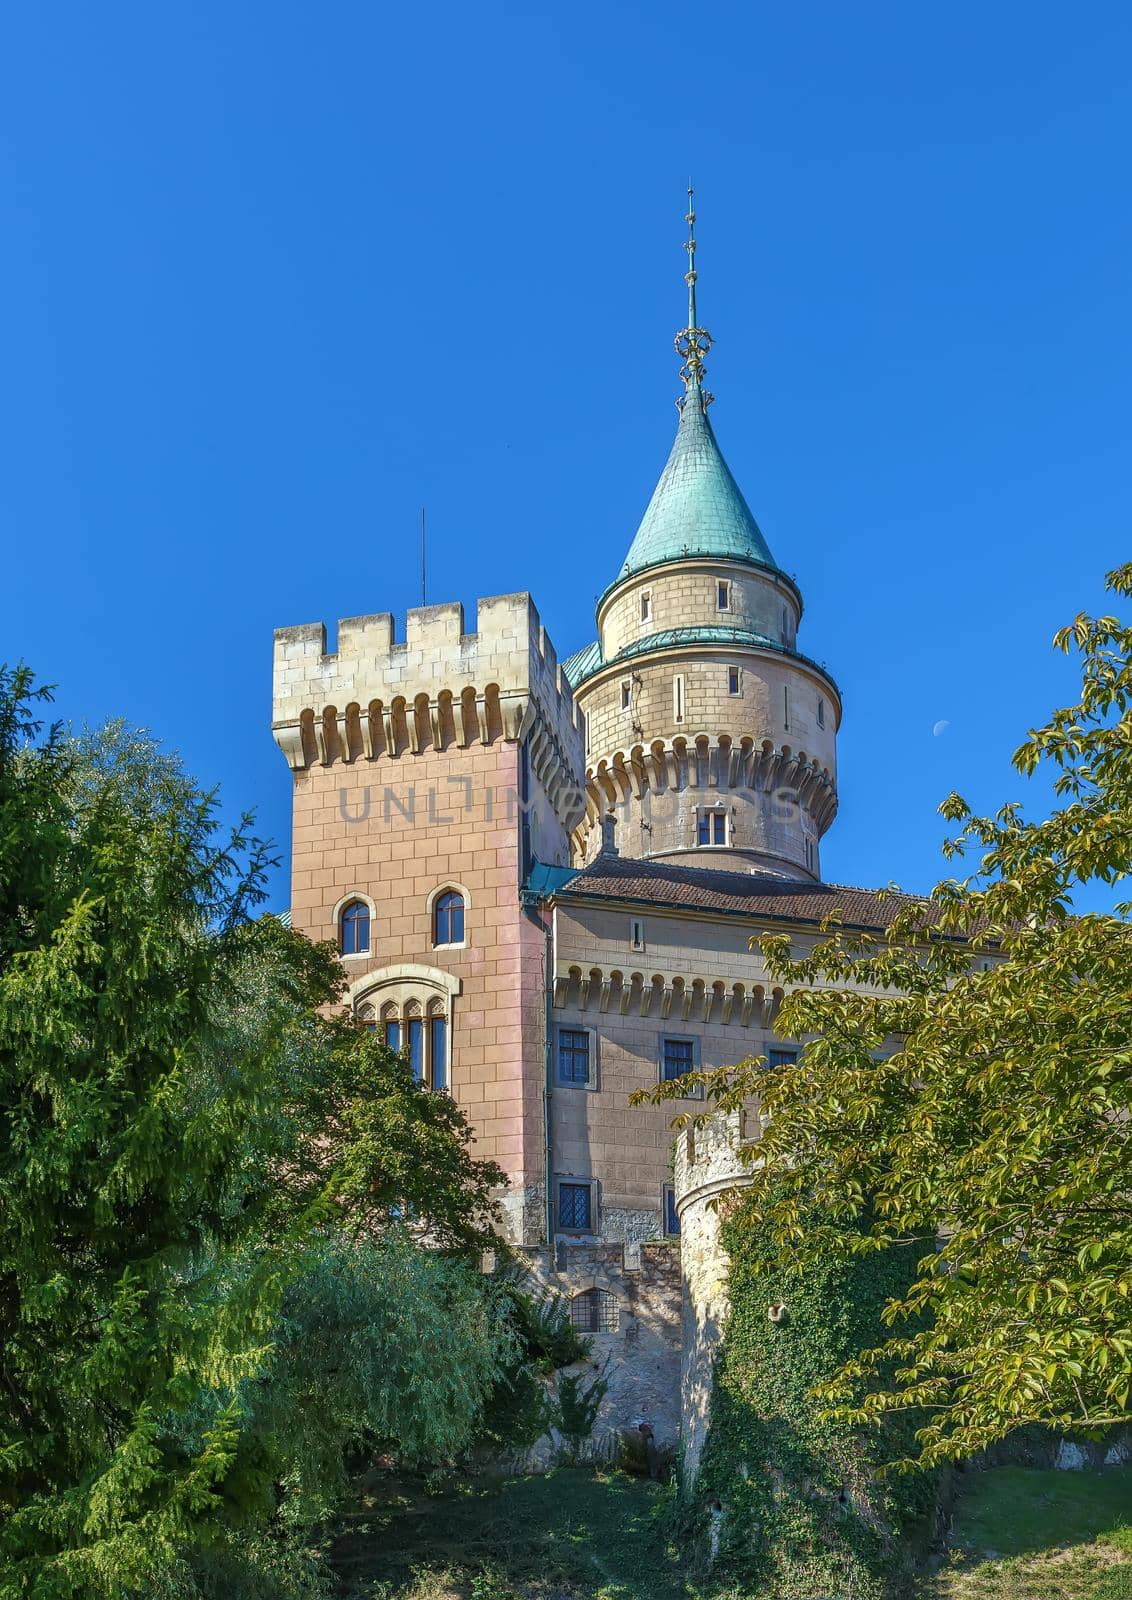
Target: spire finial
{"x":692,"y":342}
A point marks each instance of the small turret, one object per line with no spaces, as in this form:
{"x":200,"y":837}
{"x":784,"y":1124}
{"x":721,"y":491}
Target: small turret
{"x":708,"y":733}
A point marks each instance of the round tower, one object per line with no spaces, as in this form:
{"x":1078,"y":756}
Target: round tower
{"x":710,"y":738}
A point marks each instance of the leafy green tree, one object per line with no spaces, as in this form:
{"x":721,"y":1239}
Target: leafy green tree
{"x":966,"y":1087}
{"x":181,"y":1112}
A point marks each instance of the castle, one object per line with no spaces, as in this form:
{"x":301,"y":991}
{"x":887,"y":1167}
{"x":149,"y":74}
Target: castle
{"x":544,"y":876}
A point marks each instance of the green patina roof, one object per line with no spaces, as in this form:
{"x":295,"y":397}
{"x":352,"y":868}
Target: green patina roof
{"x":697,"y":508}
{"x":584,"y":663}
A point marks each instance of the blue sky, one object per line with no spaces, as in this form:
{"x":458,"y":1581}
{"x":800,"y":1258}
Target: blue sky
{"x":274,"y":275}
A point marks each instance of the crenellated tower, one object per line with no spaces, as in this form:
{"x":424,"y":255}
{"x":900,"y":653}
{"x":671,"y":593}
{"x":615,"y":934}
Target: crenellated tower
{"x":710,"y":738}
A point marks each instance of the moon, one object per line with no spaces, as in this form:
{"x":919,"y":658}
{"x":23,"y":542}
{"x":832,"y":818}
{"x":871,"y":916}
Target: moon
{"x":940,"y":727}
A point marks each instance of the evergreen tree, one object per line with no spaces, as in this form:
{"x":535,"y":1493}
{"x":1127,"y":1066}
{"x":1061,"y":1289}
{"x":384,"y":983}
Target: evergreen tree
{"x":179,"y":1109}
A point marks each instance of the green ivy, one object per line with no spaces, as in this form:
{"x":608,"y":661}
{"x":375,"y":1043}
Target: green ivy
{"x":804,"y":1513}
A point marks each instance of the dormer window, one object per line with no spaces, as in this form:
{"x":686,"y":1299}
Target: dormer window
{"x":723,"y":595}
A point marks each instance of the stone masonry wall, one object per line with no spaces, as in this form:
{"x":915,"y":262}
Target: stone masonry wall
{"x":707,"y":1167}
{"x":640,"y":1360}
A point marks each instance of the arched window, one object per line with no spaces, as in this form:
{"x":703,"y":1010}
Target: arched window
{"x":353,"y":928}
{"x":413,"y":1039}
{"x":448,"y":917}
{"x":437,"y":1047}
{"x":595,"y":1311}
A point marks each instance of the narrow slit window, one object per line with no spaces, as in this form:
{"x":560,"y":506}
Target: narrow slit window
{"x":733,"y":680}
{"x":626,"y":694}
{"x":786,"y":705}
{"x":671,"y":1220}
{"x":646,"y":606}
{"x":678,"y":697}
{"x":636,"y":933}
{"x":821,"y":713}
{"x":723,"y":595}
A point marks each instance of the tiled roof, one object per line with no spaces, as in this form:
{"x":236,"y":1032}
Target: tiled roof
{"x":697,"y":508}
{"x":727,"y":893}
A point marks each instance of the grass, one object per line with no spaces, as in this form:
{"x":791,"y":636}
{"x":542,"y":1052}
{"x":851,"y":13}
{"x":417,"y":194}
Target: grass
{"x":576,"y":1534}
{"x":1021,"y":1534}
{"x":571,"y":1535}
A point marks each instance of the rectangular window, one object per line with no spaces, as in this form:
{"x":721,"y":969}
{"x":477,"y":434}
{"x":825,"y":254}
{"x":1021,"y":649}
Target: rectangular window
{"x":574,"y":1057}
{"x":393,"y":1035}
{"x":416,"y":1047}
{"x":646,"y":606}
{"x":626,"y":694}
{"x":821,"y":713}
{"x":785,"y":705}
{"x":575,"y":1207}
{"x":636,"y":933}
{"x":438,"y":1051}
{"x":677,"y":1057}
{"x":711,"y":827}
{"x":671,"y":1220}
{"x":733,"y":680}
{"x":586,"y":727}
{"x":723,"y":596}
{"x":780,"y":1058}
{"x":678,"y":697}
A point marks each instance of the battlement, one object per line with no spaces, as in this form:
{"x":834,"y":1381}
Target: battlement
{"x":377,"y":695}
{"x":708,"y":1157}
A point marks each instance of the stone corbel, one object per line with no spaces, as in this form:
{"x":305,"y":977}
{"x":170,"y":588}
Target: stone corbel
{"x":666,"y":1001}
{"x":561,"y":990}
{"x":290,"y":741}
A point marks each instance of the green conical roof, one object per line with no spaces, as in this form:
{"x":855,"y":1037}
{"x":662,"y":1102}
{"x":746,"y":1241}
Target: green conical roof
{"x":697,"y":508}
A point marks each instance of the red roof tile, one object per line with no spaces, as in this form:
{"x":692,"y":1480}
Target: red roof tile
{"x":746,"y":894}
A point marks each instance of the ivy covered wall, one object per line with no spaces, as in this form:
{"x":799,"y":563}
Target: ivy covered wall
{"x":787,"y":1504}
